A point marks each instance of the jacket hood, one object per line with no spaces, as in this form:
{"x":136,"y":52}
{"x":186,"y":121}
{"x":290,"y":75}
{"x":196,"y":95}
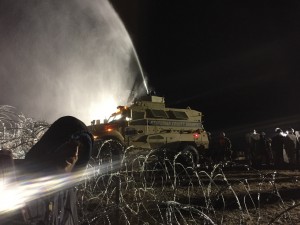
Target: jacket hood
{"x":61,"y":131}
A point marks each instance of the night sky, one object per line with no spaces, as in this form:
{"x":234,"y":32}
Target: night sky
{"x":236,"y":61}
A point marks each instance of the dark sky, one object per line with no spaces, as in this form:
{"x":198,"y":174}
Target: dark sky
{"x":236,"y":61}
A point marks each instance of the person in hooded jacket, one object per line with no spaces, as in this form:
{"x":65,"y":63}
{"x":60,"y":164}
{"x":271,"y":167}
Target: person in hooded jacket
{"x":64,"y":149}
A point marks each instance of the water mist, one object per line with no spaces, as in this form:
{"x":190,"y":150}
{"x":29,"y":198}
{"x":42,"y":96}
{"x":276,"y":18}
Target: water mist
{"x":65,"y":58}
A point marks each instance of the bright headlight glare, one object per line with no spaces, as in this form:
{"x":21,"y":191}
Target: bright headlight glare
{"x":13,"y":195}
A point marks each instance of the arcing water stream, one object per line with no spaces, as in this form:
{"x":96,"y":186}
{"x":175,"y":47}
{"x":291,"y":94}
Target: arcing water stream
{"x":66,"y":58}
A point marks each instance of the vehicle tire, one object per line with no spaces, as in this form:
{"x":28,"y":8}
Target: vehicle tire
{"x":108,"y":153}
{"x":188,"y":156}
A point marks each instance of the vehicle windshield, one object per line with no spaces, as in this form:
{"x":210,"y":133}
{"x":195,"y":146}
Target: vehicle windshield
{"x":114,"y":117}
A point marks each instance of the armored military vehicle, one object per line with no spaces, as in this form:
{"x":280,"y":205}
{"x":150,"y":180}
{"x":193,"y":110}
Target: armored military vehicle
{"x":148,"y":124}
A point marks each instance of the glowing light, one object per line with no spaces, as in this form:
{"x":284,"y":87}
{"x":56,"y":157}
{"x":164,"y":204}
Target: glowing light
{"x":196,"y":135}
{"x":15,"y":194}
{"x":103,"y":108}
{"x":118,"y":117}
{"x":109,"y":129}
{"x":10,"y":198}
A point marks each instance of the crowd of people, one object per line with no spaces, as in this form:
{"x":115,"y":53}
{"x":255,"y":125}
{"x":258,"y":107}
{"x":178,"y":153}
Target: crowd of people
{"x":280,"y":150}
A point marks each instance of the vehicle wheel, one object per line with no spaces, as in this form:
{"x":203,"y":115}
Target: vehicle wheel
{"x":188,"y":156}
{"x":108,"y":153}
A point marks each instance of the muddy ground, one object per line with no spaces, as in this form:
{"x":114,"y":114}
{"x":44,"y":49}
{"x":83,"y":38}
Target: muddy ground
{"x":218,"y":195}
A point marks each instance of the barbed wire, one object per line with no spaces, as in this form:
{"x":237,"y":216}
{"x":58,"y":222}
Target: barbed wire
{"x":144,"y":187}
{"x":19,"y":133}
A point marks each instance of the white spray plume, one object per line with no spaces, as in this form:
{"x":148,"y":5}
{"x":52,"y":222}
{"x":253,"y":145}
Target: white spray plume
{"x":67,"y":57}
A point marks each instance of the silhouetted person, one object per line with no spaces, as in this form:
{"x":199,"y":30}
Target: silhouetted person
{"x":290,"y":145}
{"x":263,"y":152}
{"x":253,"y":142}
{"x":277,"y":148}
{"x":247,"y":148}
{"x":209,"y":154}
{"x":269,"y":160}
{"x":222,"y":148}
{"x":65,"y":148}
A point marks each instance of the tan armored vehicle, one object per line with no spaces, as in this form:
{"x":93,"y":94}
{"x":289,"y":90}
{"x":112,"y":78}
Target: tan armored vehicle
{"x":148,"y":124}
